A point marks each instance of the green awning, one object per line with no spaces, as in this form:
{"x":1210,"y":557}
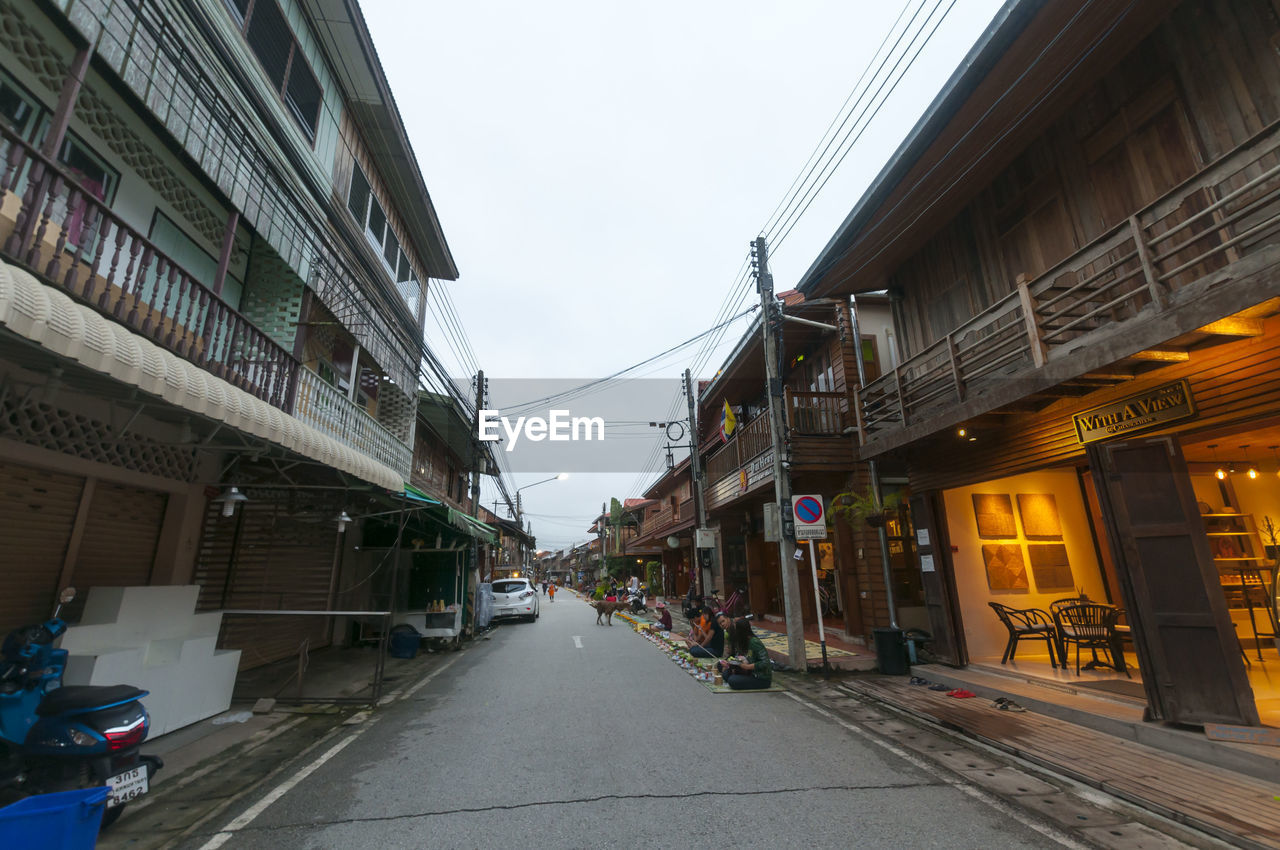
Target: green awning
{"x":411,"y":492}
{"x":473,"y":526}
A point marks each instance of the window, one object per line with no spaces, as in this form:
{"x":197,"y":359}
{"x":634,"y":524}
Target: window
{"x":88,"y":168}
{"x":367,"y":212}
{"x":267,"y":32}
{"x":16,"y":107}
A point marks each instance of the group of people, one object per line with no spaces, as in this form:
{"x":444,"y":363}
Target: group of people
{"x":742,"y":659}
{"x":549,"y":589}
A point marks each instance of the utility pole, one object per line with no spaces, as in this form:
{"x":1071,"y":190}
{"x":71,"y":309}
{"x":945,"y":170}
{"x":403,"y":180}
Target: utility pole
{"x":770,"y":324}
{"x":695,"y":468}
{"x":475,"y":465}
{"x":604,"y":511}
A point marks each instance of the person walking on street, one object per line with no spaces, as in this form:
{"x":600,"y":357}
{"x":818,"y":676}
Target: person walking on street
{"x":552,"y":592}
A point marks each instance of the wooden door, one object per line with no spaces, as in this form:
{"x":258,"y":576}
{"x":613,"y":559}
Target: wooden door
{"x":933,"y":553}
{"x":1187,"y":649}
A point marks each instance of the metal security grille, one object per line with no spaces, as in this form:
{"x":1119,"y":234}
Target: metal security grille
{"x":37,"y":511}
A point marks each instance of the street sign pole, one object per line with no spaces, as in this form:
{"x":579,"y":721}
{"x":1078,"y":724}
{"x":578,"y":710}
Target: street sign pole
{"x":817,"y":604}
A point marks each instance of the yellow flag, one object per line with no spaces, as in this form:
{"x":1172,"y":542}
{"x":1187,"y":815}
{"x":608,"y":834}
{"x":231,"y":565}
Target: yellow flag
{"x":728,"y":422}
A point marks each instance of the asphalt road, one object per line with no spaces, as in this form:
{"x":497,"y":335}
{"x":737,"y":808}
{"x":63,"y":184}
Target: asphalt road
{"x":568,"y":734}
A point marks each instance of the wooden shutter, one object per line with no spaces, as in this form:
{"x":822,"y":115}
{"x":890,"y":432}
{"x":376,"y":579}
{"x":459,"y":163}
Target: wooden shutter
{"x":37,"y":513}
{"x":939,"y":583}
{"x":1187,"y":648}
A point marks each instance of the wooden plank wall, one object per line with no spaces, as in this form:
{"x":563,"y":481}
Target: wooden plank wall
{"x":1231,"y":383}
{"x":1200,"y":85}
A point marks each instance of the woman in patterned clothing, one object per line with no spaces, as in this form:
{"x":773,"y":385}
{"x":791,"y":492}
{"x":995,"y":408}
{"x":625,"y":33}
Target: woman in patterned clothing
{"x":748,"y":668}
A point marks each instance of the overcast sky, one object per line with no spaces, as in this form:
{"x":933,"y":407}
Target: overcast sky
{"x":600,"y":168}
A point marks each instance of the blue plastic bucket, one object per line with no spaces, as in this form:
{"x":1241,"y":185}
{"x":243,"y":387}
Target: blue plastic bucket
{"x":67,"y":820}
{"x":404,"y":641}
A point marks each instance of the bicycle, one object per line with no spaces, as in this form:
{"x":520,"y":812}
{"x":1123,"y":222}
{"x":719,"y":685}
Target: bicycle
{"x":735,"y":605}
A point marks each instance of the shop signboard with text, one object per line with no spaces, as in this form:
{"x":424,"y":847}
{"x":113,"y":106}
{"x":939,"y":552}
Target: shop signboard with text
{"x":1155,"y":408}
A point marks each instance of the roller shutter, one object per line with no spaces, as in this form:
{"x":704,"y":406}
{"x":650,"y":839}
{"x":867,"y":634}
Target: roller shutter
{"x":270,"y":557}
{"x":37,"y":513}
{"x":119,"y":544}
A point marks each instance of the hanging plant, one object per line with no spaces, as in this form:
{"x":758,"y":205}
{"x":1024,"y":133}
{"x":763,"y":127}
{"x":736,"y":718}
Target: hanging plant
{"x":854,"y":507}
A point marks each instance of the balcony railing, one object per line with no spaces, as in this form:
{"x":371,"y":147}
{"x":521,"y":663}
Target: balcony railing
{"x":54,"y":226}
{"x":1218,"y":217}
{"x":750,"y":441}
{"x":328,"y":410}
{"x":816,"y":412}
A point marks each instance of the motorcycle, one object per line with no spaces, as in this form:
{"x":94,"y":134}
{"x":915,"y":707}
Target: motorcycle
{"x":55,"y":738}
{"x":636,"y":599}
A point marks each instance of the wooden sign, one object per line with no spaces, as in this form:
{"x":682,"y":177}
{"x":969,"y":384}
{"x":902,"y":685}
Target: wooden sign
{"x":1154,"y":408}
{"x":1243,"y":734}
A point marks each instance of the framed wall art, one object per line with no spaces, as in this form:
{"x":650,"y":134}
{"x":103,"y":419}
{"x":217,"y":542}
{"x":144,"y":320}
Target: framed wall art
{"x":1005,"y":567}
{"x":1050,"y":566}
{"x":1040,"y":517}
{"x":994,"y":515}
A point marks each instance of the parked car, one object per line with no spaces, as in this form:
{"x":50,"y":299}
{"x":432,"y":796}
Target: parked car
{"x":515,"y":597}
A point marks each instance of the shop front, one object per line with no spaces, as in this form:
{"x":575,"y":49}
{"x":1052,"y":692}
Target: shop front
{"x":1133,"y":531}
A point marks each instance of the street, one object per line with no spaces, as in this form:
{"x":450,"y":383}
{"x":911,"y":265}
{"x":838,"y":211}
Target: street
{"x":576,"y":735}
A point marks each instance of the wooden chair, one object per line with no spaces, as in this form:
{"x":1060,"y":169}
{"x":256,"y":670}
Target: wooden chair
{"x":1092,"y":626}
{"x":1026,"y":623}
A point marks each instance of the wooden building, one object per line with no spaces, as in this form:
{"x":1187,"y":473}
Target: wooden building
{"x":819,"y":374}
{"x":1079,"y":241}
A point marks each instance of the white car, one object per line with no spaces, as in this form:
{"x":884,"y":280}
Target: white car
{"x":515,"y":597}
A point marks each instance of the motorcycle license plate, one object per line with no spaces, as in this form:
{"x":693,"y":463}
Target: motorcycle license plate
{"x":127,"y":786}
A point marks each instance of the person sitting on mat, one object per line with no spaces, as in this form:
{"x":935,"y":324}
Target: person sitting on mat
{"x":664,"y":618}
{"x":706,"y":637}
{"x":748,"y":667}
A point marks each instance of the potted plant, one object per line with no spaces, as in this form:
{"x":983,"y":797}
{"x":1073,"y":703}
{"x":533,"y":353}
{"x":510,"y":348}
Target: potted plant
{"x":854,"y":507}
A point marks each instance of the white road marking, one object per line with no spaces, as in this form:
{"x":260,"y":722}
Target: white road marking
{"x":950,"y":779}
{"x":279,"y":791}
{"x":430,"y":676}
{"x":250,"y":814}
{"x":577,"y":641}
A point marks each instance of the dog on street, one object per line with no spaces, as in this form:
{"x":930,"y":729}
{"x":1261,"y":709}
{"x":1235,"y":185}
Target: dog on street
{"x":607,"y":610}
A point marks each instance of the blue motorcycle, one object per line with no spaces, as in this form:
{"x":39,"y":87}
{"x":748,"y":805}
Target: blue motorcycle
{"x":55,"y":738}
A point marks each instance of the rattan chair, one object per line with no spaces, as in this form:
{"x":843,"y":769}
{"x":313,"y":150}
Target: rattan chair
{"x":1092,"y":626}
{"x":1029,"y":623}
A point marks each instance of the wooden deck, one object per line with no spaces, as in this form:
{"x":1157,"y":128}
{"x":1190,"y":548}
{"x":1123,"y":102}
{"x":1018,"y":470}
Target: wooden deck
{"x":1236,"y":808}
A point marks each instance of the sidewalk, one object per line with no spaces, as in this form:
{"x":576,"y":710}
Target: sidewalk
{"x":1231,"y":805}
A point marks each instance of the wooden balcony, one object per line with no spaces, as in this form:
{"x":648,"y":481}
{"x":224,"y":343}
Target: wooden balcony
{"x":1170,"y":278}
{"x":51,"y":225}
{"x":54,"y":227}
{"x":824,"y":414}
{"x":667,"y":518}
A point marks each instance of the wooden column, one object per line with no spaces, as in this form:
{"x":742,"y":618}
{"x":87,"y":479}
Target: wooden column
{"x":1039,"y":352}
{"x":224,"y":256}
{"x":61,"y":119}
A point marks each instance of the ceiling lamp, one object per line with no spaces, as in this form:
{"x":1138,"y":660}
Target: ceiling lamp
{"x":1250,"y":469}
{"x":1219,"y":472}
{"x":343,"y":519}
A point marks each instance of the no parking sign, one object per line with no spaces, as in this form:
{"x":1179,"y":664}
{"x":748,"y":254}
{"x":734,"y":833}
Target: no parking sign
{"x":811,"y":518}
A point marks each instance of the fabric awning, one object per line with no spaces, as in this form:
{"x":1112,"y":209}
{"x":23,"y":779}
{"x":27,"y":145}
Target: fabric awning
{"x":413,"y":493}
{"x":473,"y":526}
{"x":54,"y":321}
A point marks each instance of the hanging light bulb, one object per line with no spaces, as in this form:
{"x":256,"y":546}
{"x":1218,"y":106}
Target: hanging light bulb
{"x":1219,"y":472}
{"x":343,"y":519}
{"x":230,"y":497}
{"x":1250,"y":469}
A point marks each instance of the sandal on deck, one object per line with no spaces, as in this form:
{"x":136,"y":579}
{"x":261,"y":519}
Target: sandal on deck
{"x":961,"y":693}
